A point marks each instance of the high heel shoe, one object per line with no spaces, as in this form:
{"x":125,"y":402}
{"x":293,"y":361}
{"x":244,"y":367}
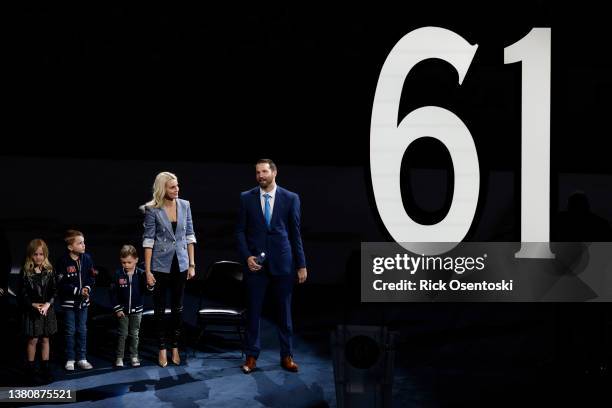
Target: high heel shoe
{"x":176,"y":360}
{"x":162,"y":362}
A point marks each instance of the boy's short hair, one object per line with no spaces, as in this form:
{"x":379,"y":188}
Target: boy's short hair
{"x":128,"y":250}
{"x":70,"y":235}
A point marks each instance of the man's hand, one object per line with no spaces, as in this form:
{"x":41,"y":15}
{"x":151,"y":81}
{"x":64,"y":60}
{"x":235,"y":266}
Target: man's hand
{"x":253,"y":266}
{"x":120,"y":314}
{"x":85,"y":292}
{"x":37,"y":306}
{"x":191,"y":272}
{"x":302,"y":275}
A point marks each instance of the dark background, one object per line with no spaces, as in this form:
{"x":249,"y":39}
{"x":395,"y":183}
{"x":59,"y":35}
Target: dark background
{"x":102,"y":98}
{"x":97,"y":90}
{"x":292,"y":82}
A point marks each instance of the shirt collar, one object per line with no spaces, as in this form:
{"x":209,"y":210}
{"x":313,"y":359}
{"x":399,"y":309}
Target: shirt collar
{"x":271,"y":193}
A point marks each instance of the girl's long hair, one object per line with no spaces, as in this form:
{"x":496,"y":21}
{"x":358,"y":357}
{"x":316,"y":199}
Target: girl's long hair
{"x":28,"y":265}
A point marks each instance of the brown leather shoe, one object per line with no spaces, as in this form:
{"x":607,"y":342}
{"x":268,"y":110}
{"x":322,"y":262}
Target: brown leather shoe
{"x":249,"y":365}
{"x":288,"y":364}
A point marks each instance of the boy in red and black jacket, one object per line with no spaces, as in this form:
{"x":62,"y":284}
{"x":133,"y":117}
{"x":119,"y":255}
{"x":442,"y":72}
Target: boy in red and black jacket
{"x":128,"y":289}
{"x":75,"y":280}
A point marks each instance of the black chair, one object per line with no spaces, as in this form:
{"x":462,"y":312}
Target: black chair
{"x":221,"y":308}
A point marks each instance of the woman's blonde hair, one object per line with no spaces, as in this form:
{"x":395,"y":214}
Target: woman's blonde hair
{"x":159,"y":189}
{"x":28,"y":265}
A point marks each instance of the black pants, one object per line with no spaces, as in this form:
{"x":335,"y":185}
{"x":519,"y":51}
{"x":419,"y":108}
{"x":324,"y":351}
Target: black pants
{"x":168,"y":334}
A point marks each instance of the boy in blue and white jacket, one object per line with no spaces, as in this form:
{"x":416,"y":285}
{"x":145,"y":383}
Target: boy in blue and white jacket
{"x":75,"y":279}
{"x":128,"y":287}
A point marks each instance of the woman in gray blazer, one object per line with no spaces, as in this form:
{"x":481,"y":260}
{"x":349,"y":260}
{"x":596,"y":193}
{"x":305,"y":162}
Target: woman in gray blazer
{"x":168,"y":242}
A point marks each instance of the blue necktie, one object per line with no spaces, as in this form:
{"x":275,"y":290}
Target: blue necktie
{"x":267,"y":214}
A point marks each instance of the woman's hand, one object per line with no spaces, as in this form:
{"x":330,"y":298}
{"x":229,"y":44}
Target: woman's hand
{"x":150,"y":279}
{"x":190,"y":272}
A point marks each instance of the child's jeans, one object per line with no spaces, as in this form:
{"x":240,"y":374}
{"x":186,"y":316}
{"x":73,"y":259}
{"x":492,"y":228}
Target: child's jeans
{"x":75,"y":328}
{"x":130,"y":323}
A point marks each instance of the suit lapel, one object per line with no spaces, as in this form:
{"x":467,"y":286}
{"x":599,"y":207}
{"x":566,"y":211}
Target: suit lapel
{"x":278,"y":202}
{"x":256,"y":200}
{"x":179,"y":216}
{"x":161,"y":213}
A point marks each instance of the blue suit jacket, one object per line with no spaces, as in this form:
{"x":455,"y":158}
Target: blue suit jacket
{"x":282,"y":242}
{"x":159,"y":235}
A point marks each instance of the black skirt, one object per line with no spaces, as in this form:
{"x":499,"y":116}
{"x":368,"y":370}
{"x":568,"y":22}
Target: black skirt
{"x":37,"y":325}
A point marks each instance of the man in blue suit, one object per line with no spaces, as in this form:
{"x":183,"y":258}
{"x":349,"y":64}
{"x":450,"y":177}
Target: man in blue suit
{"x":269,"y":223}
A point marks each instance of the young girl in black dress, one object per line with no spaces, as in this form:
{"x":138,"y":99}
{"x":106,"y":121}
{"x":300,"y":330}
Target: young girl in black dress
{"x":37,"y":294}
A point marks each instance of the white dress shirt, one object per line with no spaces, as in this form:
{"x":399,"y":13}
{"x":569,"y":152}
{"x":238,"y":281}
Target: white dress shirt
{"x":272,"y":195}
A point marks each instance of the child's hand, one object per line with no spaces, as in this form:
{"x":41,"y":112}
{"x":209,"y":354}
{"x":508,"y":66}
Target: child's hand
{"x":120,"y":314}
{"x":44,"y":308}
{"x":85,"y":292}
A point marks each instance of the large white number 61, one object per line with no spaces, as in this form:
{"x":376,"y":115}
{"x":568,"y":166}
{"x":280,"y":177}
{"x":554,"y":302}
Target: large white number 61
{"x":389,"y":141}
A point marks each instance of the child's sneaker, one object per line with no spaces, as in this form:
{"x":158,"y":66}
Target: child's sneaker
{"x":135,"y":362}
{"x":69,"y":365}
{"x":119,"y":362}
{"x":84,"y":365}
